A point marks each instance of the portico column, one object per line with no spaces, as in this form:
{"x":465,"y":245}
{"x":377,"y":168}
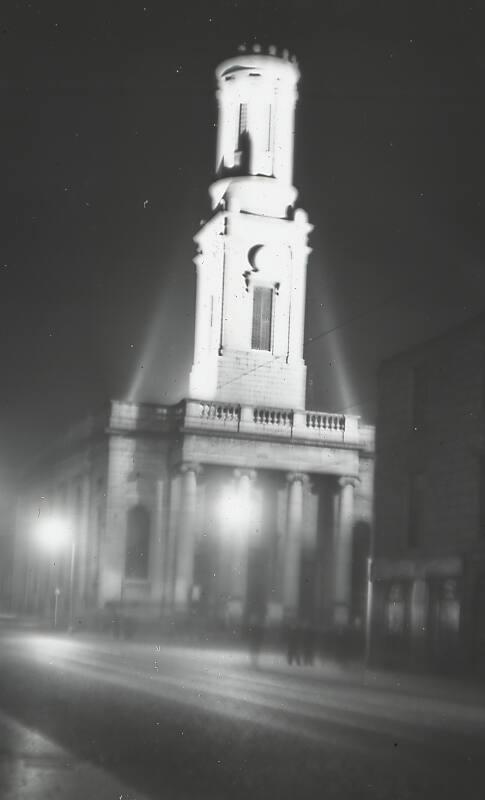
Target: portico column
{"x":343,"y":552}
{"x":184,"y":570}
{"x":244,"y":478}
{"x":292,"y":550}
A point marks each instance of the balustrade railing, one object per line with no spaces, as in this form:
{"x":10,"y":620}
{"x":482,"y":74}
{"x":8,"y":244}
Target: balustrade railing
{"x":271,"y":416}
{"x":325,"y":422}
{"x":287,"y":423}
{"x":223,"y":412}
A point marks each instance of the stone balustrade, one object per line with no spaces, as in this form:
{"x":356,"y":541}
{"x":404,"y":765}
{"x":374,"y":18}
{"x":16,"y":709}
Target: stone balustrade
{"x":281,"y":422}
{"x":222,"y":412}
{"x":325,"y":422}
{"x":150,"y":417}
{"x":273,"y":416}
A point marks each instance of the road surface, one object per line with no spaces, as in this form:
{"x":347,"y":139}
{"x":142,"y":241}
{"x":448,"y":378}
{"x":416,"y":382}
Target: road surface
{"x":86,"y":717}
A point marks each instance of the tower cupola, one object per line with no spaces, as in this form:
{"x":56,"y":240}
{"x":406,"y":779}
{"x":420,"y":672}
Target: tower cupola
{"x":256,"y":94}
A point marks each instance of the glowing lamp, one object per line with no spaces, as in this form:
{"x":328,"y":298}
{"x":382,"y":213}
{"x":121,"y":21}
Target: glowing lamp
{"x":233,"y":511}
{"x":53,"y":532}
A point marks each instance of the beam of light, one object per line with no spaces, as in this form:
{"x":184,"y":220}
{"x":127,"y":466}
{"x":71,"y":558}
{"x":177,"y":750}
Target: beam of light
{"x":161,"y":371}
{"x":332,"y":364}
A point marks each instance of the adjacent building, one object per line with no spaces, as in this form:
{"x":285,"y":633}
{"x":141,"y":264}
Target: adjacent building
{"x":428,"y":573}
{"x":238,"y":501}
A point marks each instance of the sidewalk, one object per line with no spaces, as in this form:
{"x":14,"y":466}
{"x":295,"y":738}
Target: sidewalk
{"x":33,"y":767}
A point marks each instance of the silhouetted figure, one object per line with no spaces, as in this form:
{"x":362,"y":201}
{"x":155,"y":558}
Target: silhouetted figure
{"x":293,"y":638}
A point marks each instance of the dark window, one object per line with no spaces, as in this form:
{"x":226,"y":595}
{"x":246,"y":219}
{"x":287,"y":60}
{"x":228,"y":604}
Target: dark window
{"x":416,"y":509}
{"x":420,"y":396}
{"x":243,"y":118}
{"x":262,"y":312}
{"x":137,"y":543}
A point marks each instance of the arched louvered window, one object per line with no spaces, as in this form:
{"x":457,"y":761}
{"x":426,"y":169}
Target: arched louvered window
{"x":137,"y":543}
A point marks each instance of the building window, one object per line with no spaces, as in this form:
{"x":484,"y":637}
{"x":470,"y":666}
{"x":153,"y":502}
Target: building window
{"x":243,"y":118}
{"x":416,"y":509}
{"x":420,"y":388}
{"x":137,"y":543}
{"x":262,"y":317}
{"x":269,"y":143}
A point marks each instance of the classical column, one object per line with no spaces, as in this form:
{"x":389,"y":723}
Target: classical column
{"x":292,"y":549}
{"x":343,"y":552}
{"x":244,"y":478}
{"x":184,"y":569}
{"x":157,"y":544}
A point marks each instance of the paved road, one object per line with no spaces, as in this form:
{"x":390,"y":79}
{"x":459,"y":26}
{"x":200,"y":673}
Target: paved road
{"x":136,"y":721}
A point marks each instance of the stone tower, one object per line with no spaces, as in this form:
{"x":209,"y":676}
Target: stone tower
{"x":252,"y":253}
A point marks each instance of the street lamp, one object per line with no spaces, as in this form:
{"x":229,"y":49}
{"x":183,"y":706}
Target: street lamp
{"x":54,"y":533}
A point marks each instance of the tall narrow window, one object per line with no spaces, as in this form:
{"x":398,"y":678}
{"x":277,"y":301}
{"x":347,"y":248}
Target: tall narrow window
{"x":269,"y":143}
{"x":137,"y":543}
{"x":262,"y":314}
{"x":243,"y":118}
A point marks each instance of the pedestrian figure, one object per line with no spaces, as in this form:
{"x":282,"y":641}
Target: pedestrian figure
{"x":293,"y":636}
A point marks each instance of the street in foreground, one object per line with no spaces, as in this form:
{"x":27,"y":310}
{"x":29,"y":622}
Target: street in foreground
{"x":86,"y":717}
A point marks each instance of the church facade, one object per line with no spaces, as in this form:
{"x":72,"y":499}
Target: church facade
{"x":238,"y":500}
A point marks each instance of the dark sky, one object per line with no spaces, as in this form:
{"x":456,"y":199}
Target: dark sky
{"x":108,"y":118}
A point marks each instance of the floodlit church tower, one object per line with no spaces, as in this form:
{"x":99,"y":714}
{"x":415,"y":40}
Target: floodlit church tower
{"x":251,"y":264}
{"x":237,"y":501}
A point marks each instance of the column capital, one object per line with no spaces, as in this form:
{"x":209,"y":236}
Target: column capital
{"x":245,"y":473}
{"x":190,"y":466}
{"x":348,"y":480}
{"x":294,"y":477}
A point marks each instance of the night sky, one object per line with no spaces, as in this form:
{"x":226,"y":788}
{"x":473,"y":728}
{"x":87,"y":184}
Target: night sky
{"x":108,"y":129}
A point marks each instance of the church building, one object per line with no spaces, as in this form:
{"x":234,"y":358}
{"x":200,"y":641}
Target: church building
{"x":237,"y":500}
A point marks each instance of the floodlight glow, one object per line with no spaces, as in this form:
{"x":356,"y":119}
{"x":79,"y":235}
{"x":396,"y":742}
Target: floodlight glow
{"x":53,"y":532}
{"x":233,"y":513}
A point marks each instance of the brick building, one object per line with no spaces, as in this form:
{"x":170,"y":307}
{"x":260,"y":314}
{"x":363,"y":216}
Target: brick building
{"x":236,"y":501}
{"x":428,"y":574}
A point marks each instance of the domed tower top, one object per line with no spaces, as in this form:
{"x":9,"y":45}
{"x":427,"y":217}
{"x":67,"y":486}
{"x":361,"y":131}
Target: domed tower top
{"x":257,"y":92}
